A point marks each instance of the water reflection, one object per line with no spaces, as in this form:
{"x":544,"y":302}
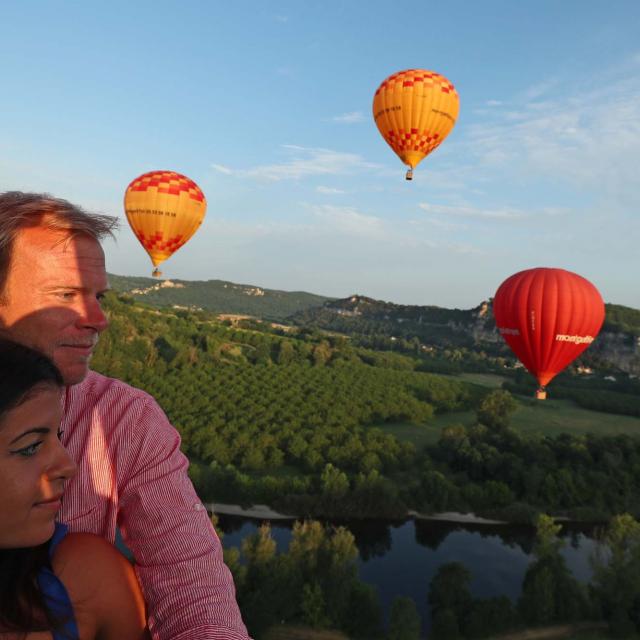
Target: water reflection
{"x":401,"y":558}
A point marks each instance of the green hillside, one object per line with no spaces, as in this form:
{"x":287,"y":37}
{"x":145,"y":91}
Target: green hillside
{"x":217,"y":296}
{"x":362,"y":316}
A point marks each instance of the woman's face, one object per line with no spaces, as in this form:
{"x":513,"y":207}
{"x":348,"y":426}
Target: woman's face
{"x":33,"y":469}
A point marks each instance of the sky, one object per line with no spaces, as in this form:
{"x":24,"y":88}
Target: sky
{"x":267,"y":106}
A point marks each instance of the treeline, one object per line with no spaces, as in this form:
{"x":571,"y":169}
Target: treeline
{"x":623,"y":319}
{"x":550,"y":594}
{"x":620,"y":396}
{"x":490,"y":467}
{"x":316,"y":584}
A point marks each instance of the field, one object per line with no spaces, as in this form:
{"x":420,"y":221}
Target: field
{"x":533,"y":417}
{"x":490,"y":380}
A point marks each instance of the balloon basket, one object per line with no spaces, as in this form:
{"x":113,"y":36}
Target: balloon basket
{"x":157,"y":273}
{"x":409,"y":175}
{"x":541,"y":394}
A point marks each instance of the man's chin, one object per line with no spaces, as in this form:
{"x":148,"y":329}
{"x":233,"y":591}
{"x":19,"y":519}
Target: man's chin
{"x":73,"y":374}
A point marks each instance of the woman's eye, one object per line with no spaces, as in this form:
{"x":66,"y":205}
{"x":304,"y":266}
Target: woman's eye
{"x":29,"y":451}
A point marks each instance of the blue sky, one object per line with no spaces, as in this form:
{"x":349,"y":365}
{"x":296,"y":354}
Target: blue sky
{"x":267,"y":106}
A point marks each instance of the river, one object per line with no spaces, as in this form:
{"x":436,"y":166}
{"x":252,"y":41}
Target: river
{"x":401,"y":558}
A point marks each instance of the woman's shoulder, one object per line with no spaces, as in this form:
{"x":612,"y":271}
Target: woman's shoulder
{"x":73,"y":550}
{"x":100,"y":581}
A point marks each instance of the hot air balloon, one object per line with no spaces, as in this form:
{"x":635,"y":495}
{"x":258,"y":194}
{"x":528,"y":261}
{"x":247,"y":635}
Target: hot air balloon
{"x":164,"y":210}
{"x":415,"y":110}
{"x":548,"y":317}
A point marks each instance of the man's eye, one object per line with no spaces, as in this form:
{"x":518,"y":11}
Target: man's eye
{"x":66,"y":295}
{"x":29,"y":451}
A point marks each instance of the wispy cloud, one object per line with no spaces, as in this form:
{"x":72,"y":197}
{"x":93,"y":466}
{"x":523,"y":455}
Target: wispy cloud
{"x":585,"y":136}
{"x":353,"y":117}
{"x":282,"y":18}
{"x":349,"y":220}
{"x":472,"y":212}
{"x":446,"y":225}
{"x":220,"y":168}
{"x":541,"y":88}
{"x":305,"y":162}
{"x":330,"y":191}
{"x":493,"y":103}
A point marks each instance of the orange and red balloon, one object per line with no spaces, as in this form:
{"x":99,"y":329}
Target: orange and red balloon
{"x":164,"y":210}
{"x":415,"y":111}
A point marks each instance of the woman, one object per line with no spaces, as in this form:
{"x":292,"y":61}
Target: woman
{"x":54,"y":585}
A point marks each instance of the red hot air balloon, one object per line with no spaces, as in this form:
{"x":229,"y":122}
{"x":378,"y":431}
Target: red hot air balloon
{"x":548,"y":317}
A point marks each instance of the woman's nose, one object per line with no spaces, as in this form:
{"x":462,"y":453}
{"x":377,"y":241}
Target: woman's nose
{"x":63,"y":467}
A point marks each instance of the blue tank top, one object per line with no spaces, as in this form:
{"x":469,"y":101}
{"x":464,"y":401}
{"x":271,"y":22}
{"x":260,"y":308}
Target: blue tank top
{"x":55,"y":593}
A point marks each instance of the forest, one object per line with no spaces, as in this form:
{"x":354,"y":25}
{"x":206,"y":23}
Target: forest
{"x":291,"y":417}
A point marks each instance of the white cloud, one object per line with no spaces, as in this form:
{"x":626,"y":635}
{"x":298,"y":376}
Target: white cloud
{"x":222,"y":169}
{"x":537,"y":90}
{"x":305,"y":162}
{"x":349,"y":220}
{"x":329,"y":190}
{"x":446,"y":225}
{"x":282,"y":18}
{"x":586,"y":137}
{"x":472,"y":212}
{"x":352,"y":117}
{"x":493,"y":103}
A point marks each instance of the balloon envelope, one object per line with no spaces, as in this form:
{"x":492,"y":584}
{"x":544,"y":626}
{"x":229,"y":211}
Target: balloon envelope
{"x":548,"y":317}
{"x":164,"y":210}
{"x":414,"y":111}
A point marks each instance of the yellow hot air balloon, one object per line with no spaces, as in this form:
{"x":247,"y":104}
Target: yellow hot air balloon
{"x":164,"y":210}
{"x":415,"y":110}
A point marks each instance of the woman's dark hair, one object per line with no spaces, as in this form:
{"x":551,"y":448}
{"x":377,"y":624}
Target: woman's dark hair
{"x":22,"y":605}
{"x":22,"y":370}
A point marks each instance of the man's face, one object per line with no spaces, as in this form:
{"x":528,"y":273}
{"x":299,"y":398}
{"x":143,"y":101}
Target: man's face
{"x":51,"y":300}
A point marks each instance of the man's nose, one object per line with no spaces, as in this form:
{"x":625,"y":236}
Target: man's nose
{"x":93,"y":316}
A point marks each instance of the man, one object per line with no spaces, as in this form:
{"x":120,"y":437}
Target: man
{"x":131,"y":472}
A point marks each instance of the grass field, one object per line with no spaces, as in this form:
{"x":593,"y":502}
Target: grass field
{"x":490,"y":380}
{"x":533,"y":417}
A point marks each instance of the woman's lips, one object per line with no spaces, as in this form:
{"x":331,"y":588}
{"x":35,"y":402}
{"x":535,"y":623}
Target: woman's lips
{"x":53,"y":504}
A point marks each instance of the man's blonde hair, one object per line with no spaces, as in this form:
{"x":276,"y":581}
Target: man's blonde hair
{"x":19,"y":210}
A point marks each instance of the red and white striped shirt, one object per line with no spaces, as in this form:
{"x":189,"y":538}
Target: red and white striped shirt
{"x":132,"y":474}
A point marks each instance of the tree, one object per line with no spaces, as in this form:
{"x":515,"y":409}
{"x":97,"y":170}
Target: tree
{"x":496,"y":409}
{"x":313,"y":605}
{"x":286,"y":353}
{"x":404,"y":623}
{"x":550,"y":594}
{"x":616,"y":570}
{"x":450,"y":600}
{"x":445,"y":625}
